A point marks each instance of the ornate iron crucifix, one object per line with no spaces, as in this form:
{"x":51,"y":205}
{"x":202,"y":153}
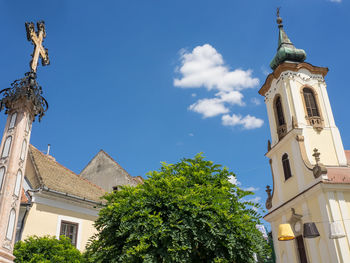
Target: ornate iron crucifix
{"x":37,"y":39}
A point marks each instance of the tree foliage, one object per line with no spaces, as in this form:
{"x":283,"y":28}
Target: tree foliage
{"x":186,"y":212}
{"x":46,"y":250}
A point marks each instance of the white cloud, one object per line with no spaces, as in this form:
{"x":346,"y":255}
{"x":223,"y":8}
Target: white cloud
{"x":191,"y":134}
{"x":231,"y":97}
{"x":194,"y":95}
{"x":233,"y":180}
{"x":248,"y":122}
{"x":336,"y":1}
{"x":255,"y":101}
{"x":255,"y":199}
{"x":251,"y":189}
{"x":216,"y":106}
{"x":209,"y":107}
{"x":204,"y":67}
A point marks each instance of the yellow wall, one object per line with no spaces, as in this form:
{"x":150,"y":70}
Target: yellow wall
{"x":323,"y":141}
{"x":43,"y":220}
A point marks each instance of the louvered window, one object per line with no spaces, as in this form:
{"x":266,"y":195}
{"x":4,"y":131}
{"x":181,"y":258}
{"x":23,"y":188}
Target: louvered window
{"x":280,"y":121}
{"x":310,"y":103}
{"x":279,"y":111}
{"x":286,"y":166}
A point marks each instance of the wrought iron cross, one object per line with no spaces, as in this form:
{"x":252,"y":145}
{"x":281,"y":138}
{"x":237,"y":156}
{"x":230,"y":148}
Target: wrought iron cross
{"x":37,"y":39}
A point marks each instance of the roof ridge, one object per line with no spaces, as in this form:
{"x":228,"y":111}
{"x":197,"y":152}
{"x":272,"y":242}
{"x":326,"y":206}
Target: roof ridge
{"x":90,"y":161}
{"x":80,"y":177}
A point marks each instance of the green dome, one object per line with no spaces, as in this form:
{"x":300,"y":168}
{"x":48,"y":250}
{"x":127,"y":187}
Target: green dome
{"x":286,"y":50}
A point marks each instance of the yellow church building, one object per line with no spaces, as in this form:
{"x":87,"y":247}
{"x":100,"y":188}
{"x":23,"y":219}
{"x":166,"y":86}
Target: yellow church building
{"x":309,"y":205}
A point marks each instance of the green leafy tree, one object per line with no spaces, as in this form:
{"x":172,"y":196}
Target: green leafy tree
{"x":186,"y":212}
{"x":46,"y":250}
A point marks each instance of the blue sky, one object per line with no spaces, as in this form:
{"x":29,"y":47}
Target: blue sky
{"x":151,"y":81}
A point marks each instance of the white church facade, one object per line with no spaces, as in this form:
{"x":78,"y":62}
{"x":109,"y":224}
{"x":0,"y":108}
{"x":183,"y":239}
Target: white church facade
{"x":310,"y":199}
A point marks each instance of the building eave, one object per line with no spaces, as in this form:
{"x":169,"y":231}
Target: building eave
{"x":292,"y":67}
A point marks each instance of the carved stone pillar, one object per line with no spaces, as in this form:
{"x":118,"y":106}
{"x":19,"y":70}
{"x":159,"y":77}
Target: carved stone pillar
{"x":22,"y":101}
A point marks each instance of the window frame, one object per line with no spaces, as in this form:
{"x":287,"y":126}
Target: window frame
{"x":287,"y":170}
{"x":281,"y":129}
{"x":11,"y":224}
{"x":13,"y":120}
{"x":3,"y":177}
{"x":316,"y":122}
{"x":9,"y":147}
{"x":73,"y":220}
{"x":68,"y":223}
{"x":18,"y":183}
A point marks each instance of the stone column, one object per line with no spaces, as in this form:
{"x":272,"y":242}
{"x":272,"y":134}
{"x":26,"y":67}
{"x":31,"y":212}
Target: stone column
{"x":23,"y":101}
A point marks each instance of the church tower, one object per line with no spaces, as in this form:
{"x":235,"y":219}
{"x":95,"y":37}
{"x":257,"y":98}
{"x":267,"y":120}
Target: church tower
{"x":23,"y":101}
{"x":310,"y":169}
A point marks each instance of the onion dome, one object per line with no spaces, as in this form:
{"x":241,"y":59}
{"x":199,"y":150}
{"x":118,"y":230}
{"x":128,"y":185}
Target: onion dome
{"x":286,"y":51}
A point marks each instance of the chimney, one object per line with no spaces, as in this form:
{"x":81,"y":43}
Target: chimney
{"x":48,"y":149}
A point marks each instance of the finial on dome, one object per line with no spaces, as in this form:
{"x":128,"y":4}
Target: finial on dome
{"x":286,"y":51}
{"x":279,"y":19}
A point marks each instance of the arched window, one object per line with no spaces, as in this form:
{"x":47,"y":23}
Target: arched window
{"x":7,"y":145}
{"x":18,"y":183}
{"x":11,"y":225}
{"x":310,"y":103}
{"x":2,"y":176}
{"x":286,"y":166}
{"x":24,"y":150}
{"x":281,"y":123}
{"x":13,"y":120}
{"x":28,"y":124}
{"x":279,"y":111}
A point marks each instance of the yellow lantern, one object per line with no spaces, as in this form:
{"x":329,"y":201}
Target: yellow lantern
{"x":285,"y":232}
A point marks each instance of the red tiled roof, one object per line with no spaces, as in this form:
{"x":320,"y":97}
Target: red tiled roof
{"x":55,"y":176}
{"x":24,"y":198}
{"x":339,"y":175}
{"x":347,"y":154}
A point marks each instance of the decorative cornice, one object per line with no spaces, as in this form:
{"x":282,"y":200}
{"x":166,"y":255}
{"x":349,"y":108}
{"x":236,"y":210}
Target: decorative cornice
{"x":28,"y":90}
{"x":295,"y":67}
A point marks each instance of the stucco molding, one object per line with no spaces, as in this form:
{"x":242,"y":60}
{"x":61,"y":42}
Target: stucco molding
{"x":286,"y":206}
{"x":289,"y":136}
{"x":301,"y":142}
{"x":290,"y":69}
{"x":6,"y":256}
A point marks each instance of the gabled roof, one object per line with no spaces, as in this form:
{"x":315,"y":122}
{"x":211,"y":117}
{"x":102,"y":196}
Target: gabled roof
{"x":339,"y":175}
{"x":52,"y":175}
{"x":136,"y":179}
{"x":104,"y":171}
